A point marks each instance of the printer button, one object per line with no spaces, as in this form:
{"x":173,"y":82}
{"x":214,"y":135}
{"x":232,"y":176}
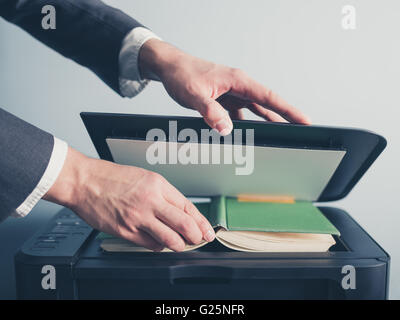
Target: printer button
{"x":48,"y":241}
{"x":44,"y":246}
{"x":53,"y":236}
{"x":46,"y":238}
{"x":60,"y":229}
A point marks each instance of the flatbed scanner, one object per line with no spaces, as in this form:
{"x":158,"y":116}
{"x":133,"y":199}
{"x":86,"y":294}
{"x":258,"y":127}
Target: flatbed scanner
{"x":70,"y":247}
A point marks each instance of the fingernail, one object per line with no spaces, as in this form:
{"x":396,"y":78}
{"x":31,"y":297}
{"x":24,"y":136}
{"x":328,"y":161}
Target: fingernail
{"x":209,"y":236}
{"x":224,"y":127}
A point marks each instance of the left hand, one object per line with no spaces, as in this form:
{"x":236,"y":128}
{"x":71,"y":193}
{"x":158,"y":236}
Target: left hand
{"x":217,"y":92}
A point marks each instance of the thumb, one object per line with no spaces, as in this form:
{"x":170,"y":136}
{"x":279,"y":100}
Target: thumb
{"x":216,"y":116}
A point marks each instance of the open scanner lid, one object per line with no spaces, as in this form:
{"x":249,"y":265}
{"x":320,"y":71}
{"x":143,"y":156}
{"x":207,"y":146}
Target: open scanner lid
{"x":313,"y":163}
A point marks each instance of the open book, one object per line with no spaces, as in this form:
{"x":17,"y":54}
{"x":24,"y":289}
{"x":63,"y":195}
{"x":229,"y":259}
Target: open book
{"x":255,"y":227}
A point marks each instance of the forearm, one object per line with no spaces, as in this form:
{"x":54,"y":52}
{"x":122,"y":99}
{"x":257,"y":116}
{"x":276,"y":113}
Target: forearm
{"x":156,"y":56}
{"x":71,"y":181}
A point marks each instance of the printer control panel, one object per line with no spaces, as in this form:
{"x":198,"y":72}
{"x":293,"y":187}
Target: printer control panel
{"x":63,"y":236}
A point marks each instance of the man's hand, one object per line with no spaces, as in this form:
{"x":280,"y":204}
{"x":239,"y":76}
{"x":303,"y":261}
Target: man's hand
{"x":212,"y":89}
{"x":129,"y":202}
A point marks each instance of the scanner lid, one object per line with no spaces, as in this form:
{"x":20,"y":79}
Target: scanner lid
{"x":312,"y":163}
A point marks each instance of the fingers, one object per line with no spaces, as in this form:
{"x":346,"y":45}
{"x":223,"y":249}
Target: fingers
{"x":177,"y":199}
{"x":164,"y":235}
{"x":234,"y":106}
{"x":265,"y":113}
{"x":247,"y":88}
{"x":215,"y":116}
{"x":180,"y":222}
{"x":236,"y":114}
{"x":142,"y":239}
{"x":205,"y":226}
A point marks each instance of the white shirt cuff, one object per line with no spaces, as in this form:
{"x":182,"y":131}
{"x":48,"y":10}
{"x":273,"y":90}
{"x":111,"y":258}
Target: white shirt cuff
{"x":130,"y":81}
{"x":50,"y":175}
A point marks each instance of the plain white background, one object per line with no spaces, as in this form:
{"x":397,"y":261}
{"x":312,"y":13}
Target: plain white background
{"x":297,"y":48}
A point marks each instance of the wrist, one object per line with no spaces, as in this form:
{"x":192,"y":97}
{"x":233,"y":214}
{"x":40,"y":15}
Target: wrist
{"x":157,"y":56}
{"x":67,"y":189}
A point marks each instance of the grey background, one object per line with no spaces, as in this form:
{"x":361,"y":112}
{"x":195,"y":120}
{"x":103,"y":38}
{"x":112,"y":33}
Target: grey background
{"x":297,"y":48}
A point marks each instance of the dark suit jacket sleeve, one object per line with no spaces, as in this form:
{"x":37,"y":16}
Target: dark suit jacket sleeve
{"x":24,"y":154}
{"x":87,"y":31}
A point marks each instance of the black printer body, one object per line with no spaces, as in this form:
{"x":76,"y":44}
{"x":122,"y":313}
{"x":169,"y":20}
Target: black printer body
{"x":83,"y":270}
{"x":65,"y":261}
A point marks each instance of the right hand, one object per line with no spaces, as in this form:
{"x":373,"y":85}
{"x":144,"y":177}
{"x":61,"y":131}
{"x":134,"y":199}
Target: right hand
{"x":129,"y":202}
{"x":212,"y":89}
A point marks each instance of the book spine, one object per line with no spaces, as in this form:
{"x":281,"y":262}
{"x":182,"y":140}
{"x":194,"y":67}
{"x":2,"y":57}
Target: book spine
{"x":218,"y":212}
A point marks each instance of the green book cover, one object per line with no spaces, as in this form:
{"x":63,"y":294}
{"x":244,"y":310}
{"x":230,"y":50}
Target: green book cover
{"x":297,"y":217}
